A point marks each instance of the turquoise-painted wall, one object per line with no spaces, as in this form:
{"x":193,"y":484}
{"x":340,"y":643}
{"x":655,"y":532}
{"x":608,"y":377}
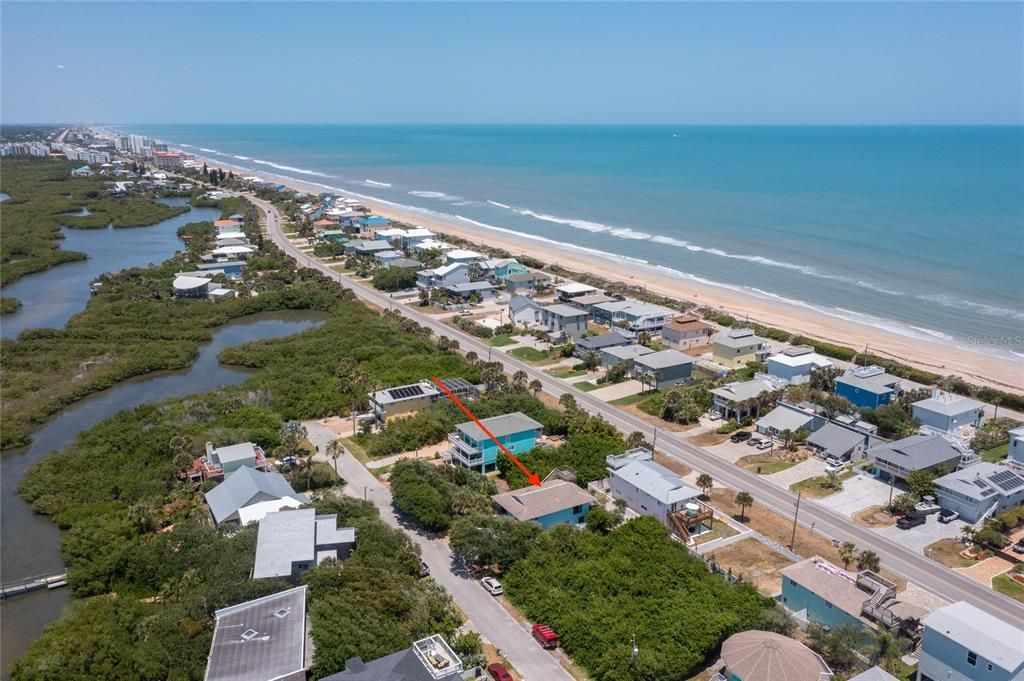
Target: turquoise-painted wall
{"x":517,"y":443}
{"x":796,"y":598}
{"x":566,"y":516}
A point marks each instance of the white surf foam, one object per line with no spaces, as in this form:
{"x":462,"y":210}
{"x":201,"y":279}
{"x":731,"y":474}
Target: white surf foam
{"x":290,"y":169}
{"x":209,"y":151}
{"x":242,"y":158}
{"x":428,"y":195}
{"x":375,"y":183}
{"x":499,"y":205}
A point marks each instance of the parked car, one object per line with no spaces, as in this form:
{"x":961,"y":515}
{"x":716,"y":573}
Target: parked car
{"x":909,"y":521}
{"x":497,"y":671}
{"x":754,"y":442}
{"x":741,"y":436}
{"x":947,"y":516}
{"x":1018,"y":547}
{"x":424,"y":569}
{"x":833,"y":467}
{"x":764,"y":444}
{"x":714,"y":416}
{"x":545,"y":636}
{"x":492,"y":586}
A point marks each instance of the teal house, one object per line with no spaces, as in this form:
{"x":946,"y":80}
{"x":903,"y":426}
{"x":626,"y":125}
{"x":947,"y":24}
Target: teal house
{"x":473,"y":448}
{"x":506,"y":267}
{"x":815,"y":590}
{"x":333,"y":236}
{"x":554,"y":502}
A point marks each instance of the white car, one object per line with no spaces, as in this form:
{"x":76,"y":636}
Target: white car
{"x":714,"y":416}
{"x":492,"y":586}
{"x":833,"y":467}
{"x":764,"y":444}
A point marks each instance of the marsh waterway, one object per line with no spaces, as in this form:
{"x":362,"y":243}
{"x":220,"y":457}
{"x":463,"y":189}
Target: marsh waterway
{"x":30,"y":543}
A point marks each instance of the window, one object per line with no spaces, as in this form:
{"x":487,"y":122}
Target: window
{"x":989,"y":666}
{"x":972,"y":658}
{"x":828,"y":605}
{"x":576,"y":510}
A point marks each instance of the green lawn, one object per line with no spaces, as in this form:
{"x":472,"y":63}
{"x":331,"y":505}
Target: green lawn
{"x":769,"y":467}
{"x":356,"y":449}
{"x":996,"y":454}
{"x":529,"y":354}
{"x":569,"y":373}
{"x":636,"y":399}
{"x":586,"y":386}
{"x":720,"y":530}
{"x":815,"y":487}
{"x":501,"y":341}
{"x":1008,"y":587}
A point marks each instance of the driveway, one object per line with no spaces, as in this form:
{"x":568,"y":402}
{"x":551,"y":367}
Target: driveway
{"x":916,"y":538}
{"x":859,"y":492}
{"x":484,"y":612}
{"x":733,"y":451}
{"x":809,"y":468}
{"x":617,"y":390}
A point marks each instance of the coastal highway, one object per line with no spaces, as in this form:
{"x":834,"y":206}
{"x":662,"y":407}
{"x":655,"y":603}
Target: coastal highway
{"x":910,"y":565}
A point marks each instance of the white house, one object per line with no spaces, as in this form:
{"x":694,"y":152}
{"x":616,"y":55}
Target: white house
{"x":444,"y":276}
{"x":647,"y":487}
{"x":948,"y":412}
{"x":524,"y":311}
{"x":461,"y":255}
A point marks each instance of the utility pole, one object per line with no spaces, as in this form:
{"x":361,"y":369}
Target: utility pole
{"x":892,"y":483}
{"x":796,"y":514}
{"x":654,"y":445}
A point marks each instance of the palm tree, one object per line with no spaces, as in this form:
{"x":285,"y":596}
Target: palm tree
{"x":536,"y":386}
{"x":885,"y":648}
{"x":306,"y":464}
{"x":868,"y":560}
{"x":568,"y":402}
{"x":635,"y":439}
{"x":335,"y":450}
{"x":744,"y":501}
{"x":519,"y":378}
{"x":471,"y":357}
{"x":847,"y":553}
{"x":292,"y":433}
{"x":705,"y":482}
{"x":673,"y":398}
{"x":787,"y":437}
{"x":591,"y":360}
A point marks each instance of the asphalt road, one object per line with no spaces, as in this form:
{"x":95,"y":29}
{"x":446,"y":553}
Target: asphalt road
{"x":485,"y":613}
{"x":912,"y":566}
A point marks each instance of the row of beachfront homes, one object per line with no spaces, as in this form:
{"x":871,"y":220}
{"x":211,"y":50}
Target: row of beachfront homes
{"x":225,"y":261}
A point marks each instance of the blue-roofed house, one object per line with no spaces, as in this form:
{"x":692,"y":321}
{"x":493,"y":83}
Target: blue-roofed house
{"x":867,"y":387}
{"x":374,"y":222}
{"x":472,"y":447}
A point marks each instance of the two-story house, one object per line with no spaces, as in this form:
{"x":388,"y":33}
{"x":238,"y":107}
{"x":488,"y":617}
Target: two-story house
{"x":290,"y":542}
{"x":948,"y":412}
{"x":686,"y":332}
{"x":443,"y":277}
{"x":964,"y":643}
{"x":736,"y":347}
{"x":794,"y":365}
{"x":564,"y":320}
{"x":867,"y":387}
{"x":472,"y":446}
{"x":633,"y":315}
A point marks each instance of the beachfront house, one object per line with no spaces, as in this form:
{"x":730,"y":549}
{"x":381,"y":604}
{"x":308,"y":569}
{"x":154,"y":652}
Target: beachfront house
{"x":247,"y":488}
{"x":503,"y":268}
{"x":373,"y":223}
{"x":462,"y":255}
{"x":948,"y":412}
{"x":633,"y":315}
{"x":921,"y":452}
{"x":471,"y":290}
{"x":734,"y":348}
{"x":588,"y":301}
{"x":524,"y":311}
{"x":841,"y":441}
{"x":618,"y":354}
{"x":686,"y":332}
{"x":526,"y":282}
{"x":553,"y":503}
{"x":442,"y":277}
{"x":431,"y":245}
{"x":414,"y":236}
{"x":746,"y":398}
{"x":290,"y":542}
{"x":566,"y":292}
{"x":589,"y":344}
{"x":961,"y":642}
{"x":392,"y":235}
{"x":786,"y":416}
{"x":1016,"y":446}
{"x":794,"y":365}
{"x":428,"y":659}
{"x":664,"y":368}
{"x":564,"y":321}
{"x":867,"y":387}
{"x":408,"y":399}
{"x":472,"y":446}
{"x":979,"y":491}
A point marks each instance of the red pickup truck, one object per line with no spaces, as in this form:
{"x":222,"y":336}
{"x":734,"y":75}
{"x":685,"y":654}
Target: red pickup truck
{"x":545,"y":636}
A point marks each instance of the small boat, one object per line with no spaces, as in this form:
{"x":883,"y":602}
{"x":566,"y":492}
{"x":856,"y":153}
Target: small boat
{"x":95,"y":287}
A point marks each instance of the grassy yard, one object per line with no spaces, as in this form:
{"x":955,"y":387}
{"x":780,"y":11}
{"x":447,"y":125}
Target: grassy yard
{"x":947,"y":552}
{"x":719,"y":531}
{"x":996,"y":454}
{"x":568,"y":373}
{"x":1006,"y":586}
{"x":501,"y":341}
{"x":768,"y":467}
{"x":529,"y":354}
{"x":817,"y":487}
{"x":586,"y":386}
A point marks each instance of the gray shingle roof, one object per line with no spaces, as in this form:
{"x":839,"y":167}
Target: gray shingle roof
{"x":916,"y":452}
{"x":533,"y":502}
{"x":247,"y":486}
{"x":287,"y":537}
{"x":835,"y":440}
{"x":500,"y":426}
{"x":605,"y":340}
{"x":656,"y":480}
{"x":983,"y":481}
{"x":664,"y":359}
{"x":259,"y":640}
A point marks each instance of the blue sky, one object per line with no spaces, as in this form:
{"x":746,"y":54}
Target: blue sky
{"x":724,"y":63}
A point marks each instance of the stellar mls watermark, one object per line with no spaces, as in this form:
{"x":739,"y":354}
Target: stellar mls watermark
{"x":1005,"y":341}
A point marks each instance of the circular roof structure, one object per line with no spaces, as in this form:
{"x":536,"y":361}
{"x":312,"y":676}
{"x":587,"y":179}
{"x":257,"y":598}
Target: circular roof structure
{"x":766,"y":656}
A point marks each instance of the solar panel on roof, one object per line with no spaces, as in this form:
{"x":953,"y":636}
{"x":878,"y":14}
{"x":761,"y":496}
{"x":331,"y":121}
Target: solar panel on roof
{"x":1007,"y":480}
{"x":405,"y":392}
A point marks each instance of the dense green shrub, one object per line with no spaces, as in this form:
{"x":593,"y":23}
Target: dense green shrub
{"x":434,"y":495}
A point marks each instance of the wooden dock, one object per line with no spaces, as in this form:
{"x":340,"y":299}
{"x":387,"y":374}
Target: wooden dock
{"x":33,"y":584}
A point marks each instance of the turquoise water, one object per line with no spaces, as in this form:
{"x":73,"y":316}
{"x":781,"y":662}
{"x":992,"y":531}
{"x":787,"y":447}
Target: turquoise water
{"x":919,"y":230}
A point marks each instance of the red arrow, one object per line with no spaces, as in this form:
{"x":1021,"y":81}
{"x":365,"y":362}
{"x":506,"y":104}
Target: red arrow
{"x":532,"y":477}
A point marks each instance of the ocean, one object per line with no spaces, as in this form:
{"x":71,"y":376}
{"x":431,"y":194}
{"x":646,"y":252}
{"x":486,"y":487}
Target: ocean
{"x":918,"y":230}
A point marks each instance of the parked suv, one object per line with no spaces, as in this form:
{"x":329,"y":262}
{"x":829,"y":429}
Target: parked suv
{"x":741,"y":436}
{"x":909,"y":521}
{"x":947,"y":516}
{"x":492,"y":586}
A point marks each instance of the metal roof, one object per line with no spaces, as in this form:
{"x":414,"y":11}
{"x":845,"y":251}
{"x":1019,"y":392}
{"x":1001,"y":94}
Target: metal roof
{"x":745,"y":390}
{"x":562,"y":310}
{"x":948,"y":404}
{"x":287,"y":537}
{"x":530,"y":503}
{"x":574,"y":287}
{"x":993,"y":639}
{"x":872,"y":378}
{"x":785,"y":418}
{"x":500,"y":426}
{"x":245,"y":486}
{"x":655,"y":480}
{"x":664,"y":359}
{"x":737,"y":338}
{"x":917,"y":451}
{"x":835,"y":439}
{"x":243,"y":451}
{"x":259,"y":640}
{"x":186,"y":283}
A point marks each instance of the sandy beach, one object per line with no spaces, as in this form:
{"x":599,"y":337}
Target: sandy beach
{"x":940,"y":358}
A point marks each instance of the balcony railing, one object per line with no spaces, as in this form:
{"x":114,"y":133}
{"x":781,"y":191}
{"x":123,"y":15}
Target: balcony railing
{"x":465,"y":453}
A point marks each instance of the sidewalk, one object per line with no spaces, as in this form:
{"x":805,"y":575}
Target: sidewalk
{"x":485,"y":613}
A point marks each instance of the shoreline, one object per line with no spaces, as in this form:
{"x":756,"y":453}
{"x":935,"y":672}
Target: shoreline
{"x":978,"y":367}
